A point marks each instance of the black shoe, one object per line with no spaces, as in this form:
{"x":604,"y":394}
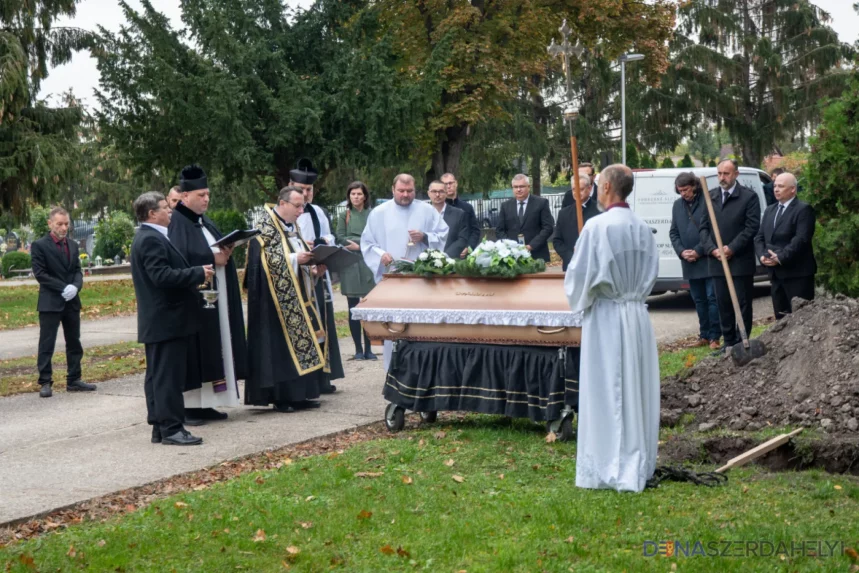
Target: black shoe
{"x":330,"y":390}
{"x":156,"y":435}
{"x":79,"y":386}
{"x":359,"y":356}
{"x":306,"y":405}
{"x":370,"y":356}
{"x":45,"y":391}
{"x":284,"y":408}
{"x":205,"y":414}
{"x":181,"y":438}
{"x":194,"y":421}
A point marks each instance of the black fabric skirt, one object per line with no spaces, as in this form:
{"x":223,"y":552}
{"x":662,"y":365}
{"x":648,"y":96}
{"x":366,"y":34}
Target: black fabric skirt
{"x":533,"y":382}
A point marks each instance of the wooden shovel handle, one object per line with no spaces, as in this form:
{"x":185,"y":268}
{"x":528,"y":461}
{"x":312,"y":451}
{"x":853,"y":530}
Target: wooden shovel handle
{"x":738,"y":314}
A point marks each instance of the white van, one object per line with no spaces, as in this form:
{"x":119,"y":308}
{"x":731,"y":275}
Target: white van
{"x":652,"y":199}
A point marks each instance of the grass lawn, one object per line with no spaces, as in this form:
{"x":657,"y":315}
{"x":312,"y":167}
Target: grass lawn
{"x":484,"y":495}
{"x":99,"y":363}
{"x":671,"y":363}
{"x":98,"y":299}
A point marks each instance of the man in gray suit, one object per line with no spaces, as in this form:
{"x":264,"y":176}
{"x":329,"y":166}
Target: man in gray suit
{"x":457,"y":236}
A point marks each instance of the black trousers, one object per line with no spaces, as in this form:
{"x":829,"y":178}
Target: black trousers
{"x":49,"y":322}
{"x":166,"y":370}
{"x":355,"y":327}
{"x":728,"y":322}
{"x":783,"y":291}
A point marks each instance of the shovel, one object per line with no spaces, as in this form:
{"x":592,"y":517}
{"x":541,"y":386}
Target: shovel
{"x":747,"y":350}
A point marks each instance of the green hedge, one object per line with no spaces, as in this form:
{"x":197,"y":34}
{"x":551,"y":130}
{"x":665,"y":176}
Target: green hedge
{"x":113,"y":236}
{"x":16,"y":260}
{"x":832,"y":176}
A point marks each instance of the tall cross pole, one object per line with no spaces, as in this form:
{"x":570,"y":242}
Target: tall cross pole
{"x":567,"y":51}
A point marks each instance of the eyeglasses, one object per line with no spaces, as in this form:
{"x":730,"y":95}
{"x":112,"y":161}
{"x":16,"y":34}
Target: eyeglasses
{"x":520,"y":186}
{"x":296,"y":205}
{"x":448,"y":183}
{"x":436,"y":191}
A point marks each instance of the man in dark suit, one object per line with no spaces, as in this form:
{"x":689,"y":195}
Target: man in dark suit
{"x":167,"y":318}
{"x":57,"y":268}
{"x":526,"y":218}
{"x":456,"y":219}
{"x":451,"y":188}
{"x":738,"y":214}
{"x":783,"y":245}
{"x":588,"y":170}
{"x":567,"y":229}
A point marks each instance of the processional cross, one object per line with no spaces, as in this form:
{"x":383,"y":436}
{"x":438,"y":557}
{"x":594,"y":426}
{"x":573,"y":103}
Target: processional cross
{"x":568,"y":51}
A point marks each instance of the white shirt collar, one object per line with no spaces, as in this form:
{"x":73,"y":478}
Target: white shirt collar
{"x":525,"y":201}
{"x":788,"y":202}
{"x":443,"y":207}
{"x":159,"y":228}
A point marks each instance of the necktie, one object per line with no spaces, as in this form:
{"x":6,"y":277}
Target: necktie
{"x":521,"y":211}
{"x":778,"y":214}
{"x":725,"y":196}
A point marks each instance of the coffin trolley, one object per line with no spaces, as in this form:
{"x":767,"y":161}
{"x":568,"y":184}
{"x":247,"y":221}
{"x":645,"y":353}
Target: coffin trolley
{"x":486,"y":345}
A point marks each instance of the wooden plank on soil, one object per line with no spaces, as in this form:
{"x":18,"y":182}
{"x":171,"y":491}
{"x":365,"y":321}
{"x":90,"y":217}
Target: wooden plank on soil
{"x":758,"y":451}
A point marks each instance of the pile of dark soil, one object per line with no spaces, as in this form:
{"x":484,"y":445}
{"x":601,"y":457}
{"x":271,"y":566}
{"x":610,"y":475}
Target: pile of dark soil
{"x":809,"y":377}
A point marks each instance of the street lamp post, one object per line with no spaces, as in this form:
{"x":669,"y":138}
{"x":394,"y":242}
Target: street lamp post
{"x":623,"y":59}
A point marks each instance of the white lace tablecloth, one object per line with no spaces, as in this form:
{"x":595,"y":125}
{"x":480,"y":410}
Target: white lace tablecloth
{"x":488,"y":317}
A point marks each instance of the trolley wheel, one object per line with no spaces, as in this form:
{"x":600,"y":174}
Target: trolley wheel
{"x":429,"y":417}
{"x":567,"y":433}
{"x":395,"y":418}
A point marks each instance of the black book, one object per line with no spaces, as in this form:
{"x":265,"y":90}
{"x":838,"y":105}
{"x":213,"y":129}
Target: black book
{"x":236,"y":238}
{"x":335,"y":258}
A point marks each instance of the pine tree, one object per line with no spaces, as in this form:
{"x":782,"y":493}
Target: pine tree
{"x":686,"y":161}
{"x":37,"y":142}
{"x":757,"y":68}
{"x":667,"y":163}
{"x":632,"y":160}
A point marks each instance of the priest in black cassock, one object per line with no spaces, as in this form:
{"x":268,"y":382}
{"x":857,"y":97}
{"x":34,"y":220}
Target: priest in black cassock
{"x":288,"y":350}
{"x":210,"y":384}
{"x":315,"y":229}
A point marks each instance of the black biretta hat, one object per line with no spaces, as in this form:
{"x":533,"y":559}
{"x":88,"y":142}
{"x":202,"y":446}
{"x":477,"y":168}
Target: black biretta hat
{"x":192,"y":178}
{"x":304,"y":172}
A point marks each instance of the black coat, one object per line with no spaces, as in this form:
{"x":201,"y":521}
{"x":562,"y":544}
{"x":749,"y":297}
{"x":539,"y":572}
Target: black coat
{"x":537,"y":226}
{"x":567,"y":229}
{"x":568,"y":198}
{"x":187,"y":236}
{"x":473,"y":227}
{"x":739,"y":220}
{"x":168,"y":303}
{"x":790,"y":240}
{"x":55,"y":272}
{"x":457,"y":235}
{"x":685,"y":233}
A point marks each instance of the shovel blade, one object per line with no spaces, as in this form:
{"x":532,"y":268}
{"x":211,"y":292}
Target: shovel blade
{"x":742,"y":355}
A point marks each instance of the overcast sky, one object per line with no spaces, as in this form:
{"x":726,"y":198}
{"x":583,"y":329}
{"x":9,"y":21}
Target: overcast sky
{"x":82,"y":76}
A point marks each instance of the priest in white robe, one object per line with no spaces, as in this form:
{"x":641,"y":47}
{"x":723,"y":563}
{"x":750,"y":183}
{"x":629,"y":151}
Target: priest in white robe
{"x":609,"y":278}
{"x":400,"y":229}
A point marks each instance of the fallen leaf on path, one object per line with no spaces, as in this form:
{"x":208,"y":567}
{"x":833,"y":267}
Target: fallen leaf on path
{"x":551,"y":437}
{"x":310,"y":498}
{"x":387,"y":550}
{"x":260,"y":536}
{"x":180,"y":504}
{"x":27,"y":561}
{"x":458,"y":479}
{"x":402,"y":552}
{"x":365,"y":514}
{"x":439,"y":435}
{"x":71,"y":552}
{"x":569,"y":539}
{"x":293,"y":550}
{"x":369,"y":474}
{"x":407,"y":480}
{"x":260,"y":480}
{"x":449,"y":463}
{"x":101,"y":543}
{"x":306,"y":524}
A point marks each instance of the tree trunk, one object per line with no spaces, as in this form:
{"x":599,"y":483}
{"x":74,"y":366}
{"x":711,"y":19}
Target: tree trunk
{"x":538,"y":111}
{"x":449,"y":150}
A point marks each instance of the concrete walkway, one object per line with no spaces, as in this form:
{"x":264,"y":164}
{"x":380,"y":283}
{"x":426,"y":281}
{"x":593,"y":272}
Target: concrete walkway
{"x":74,"y":447}
{"x":88,"y":279}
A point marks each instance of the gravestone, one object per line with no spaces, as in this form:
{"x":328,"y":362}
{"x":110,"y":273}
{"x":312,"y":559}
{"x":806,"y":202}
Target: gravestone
{"x":13,"y":243}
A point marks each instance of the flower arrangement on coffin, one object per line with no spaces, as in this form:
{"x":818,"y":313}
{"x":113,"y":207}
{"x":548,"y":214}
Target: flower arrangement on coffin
{"x":503,"y":258}
{"x":430,"y":263}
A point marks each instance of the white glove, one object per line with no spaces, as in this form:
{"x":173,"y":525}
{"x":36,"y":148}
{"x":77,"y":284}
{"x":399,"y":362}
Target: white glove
{"x":70,"y":292}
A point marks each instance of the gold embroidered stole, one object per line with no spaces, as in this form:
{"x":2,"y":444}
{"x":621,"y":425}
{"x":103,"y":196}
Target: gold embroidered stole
{"x":295,"y":308}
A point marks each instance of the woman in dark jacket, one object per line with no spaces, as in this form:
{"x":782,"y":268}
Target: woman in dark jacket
{"x":357,"y":280}
{"x":688,"y":212}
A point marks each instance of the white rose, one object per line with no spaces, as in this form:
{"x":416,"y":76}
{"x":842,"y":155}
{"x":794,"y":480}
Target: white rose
{"x":450,"y":261}
{"x":438,"y":263}
{"x":503,"y":252}
{"x":526,"y":255}
{"x":488,"y":246}
{"x":437,"y":255}
{"x":510,"y":243}
{"x":423,"y":256}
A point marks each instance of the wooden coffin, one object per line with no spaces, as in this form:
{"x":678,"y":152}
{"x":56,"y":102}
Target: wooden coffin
{"x":529,"y":310}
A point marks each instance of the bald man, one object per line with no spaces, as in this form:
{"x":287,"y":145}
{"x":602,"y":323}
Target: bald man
{"x":174,"y":196}
{"x":783,"y":246}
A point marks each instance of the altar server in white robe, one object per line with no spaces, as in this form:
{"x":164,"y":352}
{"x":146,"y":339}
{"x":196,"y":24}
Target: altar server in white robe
{"x":609,"y":278}
{"x":400,"y":229}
